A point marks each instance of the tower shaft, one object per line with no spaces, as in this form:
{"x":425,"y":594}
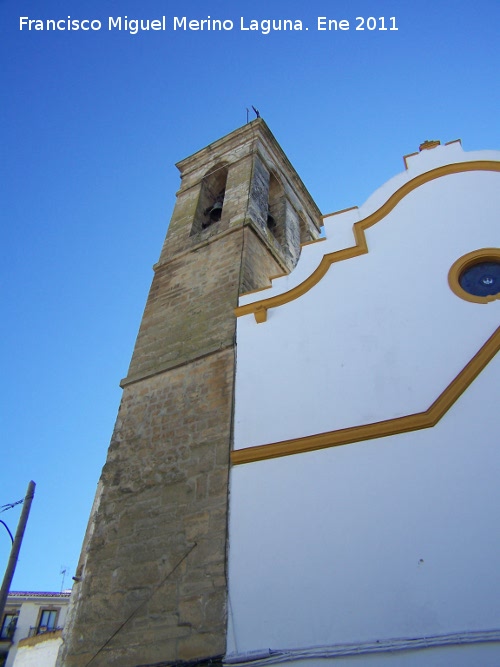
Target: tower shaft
{"x":152,"y":576}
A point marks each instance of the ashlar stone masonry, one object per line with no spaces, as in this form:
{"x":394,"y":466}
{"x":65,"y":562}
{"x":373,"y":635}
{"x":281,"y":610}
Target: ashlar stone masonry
{"x":151,"y":582}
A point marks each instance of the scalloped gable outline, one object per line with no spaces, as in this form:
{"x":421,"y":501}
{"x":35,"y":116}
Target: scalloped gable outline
{"x":413,"y":422}
{"x":260,"y":308}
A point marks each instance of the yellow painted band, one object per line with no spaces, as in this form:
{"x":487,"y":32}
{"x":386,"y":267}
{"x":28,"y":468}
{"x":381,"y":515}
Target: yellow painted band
{"x":414,"y":422}
{"x":359,"y":228}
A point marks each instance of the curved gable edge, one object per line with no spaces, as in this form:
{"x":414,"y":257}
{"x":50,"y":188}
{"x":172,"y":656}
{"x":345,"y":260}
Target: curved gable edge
{"x":259,"y":308}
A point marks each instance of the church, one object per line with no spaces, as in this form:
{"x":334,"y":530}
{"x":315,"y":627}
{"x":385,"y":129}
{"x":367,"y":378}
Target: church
{"x":304,"y":466}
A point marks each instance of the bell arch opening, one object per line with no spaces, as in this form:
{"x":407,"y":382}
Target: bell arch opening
{"x":211,"y":199}
{"x":276,"y":209}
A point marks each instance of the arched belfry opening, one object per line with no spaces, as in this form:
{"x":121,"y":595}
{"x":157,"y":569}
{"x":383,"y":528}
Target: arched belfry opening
{"x":276,"y":209}
{"x":211,"y":199}
{"x":306,"y":234}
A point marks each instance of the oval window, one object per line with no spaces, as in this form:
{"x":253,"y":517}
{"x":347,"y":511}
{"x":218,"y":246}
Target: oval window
{"x":476,"y":276}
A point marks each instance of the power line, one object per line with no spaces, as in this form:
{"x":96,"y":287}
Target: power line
{"x":9,"y":506}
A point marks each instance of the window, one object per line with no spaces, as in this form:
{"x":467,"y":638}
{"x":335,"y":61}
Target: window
{"x":8,"y":626}
{"x":47,"y":621}
{"x":476,"y":276}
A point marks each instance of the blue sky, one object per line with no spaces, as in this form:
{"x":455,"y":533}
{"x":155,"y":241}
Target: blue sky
{"x":92,"y":124}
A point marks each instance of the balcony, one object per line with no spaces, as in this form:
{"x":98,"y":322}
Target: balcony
{"x":42,"y":630}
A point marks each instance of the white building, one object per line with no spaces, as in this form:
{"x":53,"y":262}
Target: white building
{"x":31,"y":629}
{"x":365,"y":492}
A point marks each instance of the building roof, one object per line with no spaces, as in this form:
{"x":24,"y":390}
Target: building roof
{"x":40,"y":594}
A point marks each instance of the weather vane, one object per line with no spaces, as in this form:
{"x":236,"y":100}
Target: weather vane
{"x":257,"y":112}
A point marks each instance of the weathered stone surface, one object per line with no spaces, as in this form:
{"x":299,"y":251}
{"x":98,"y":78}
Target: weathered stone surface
{"x":153,"y":566}
{"x":144,"y":567}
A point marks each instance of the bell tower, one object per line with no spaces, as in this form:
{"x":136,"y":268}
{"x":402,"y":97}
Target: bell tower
{"x":151,"y":582}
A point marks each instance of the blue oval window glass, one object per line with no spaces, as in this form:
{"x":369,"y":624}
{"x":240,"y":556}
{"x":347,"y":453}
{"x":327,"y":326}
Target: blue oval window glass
{"x":481,"y":279}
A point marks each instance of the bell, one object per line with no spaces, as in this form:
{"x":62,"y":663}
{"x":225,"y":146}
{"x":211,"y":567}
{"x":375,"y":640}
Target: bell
{"x":216,"y":212}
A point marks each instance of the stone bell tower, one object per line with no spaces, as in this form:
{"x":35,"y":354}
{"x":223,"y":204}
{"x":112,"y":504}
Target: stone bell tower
{"x":151,"y":582}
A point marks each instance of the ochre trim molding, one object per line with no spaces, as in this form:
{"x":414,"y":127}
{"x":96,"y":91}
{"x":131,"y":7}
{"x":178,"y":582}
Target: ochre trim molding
{"x":465,"y":262}
{"x":39,"y":639}
{"x":342,"y":210}
{"x":414,"y":422}
{"x":359,"y":229}
{"x":422,"y":146}
{"x":405,"y":158}
{"x":429,"y":144}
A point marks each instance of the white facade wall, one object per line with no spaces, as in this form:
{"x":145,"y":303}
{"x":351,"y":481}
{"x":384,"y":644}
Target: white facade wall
{"x":385,"y":541}
{"x":43,"y":654}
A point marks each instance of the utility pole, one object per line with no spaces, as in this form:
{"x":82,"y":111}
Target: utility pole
{"x":16,"y":546}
